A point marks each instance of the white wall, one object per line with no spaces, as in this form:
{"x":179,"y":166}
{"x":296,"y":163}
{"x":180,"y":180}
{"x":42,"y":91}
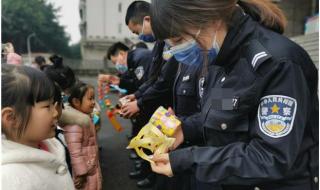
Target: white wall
{"x":105,"y":20}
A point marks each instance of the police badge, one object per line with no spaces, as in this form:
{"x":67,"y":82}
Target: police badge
{"x":276,"y":115}
{"x":139,"y":71}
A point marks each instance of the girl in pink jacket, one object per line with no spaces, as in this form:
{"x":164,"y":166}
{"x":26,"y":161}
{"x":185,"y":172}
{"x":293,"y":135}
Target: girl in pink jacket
{"x":82,"y":139}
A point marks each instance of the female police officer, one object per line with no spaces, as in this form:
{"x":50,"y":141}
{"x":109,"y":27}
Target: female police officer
{"x":259,"y":116}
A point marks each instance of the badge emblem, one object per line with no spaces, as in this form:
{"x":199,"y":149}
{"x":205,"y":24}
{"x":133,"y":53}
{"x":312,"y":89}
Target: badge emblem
{"x":276,"y":115}
{"x":139,"y":72}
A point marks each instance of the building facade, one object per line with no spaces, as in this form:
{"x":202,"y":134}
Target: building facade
{"x":103,"y":23}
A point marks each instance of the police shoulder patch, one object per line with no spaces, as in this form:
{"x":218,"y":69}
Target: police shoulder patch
{"x":139,"y":71}
{"x":276,"y":115}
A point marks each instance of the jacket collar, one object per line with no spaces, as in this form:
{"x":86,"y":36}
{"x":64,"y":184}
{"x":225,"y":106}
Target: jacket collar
{"x":238,"y":32}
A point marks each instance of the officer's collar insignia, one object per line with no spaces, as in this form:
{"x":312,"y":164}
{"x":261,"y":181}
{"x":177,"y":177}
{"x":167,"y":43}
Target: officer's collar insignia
{"x":276,"y":115}
{"x":185,"y":78}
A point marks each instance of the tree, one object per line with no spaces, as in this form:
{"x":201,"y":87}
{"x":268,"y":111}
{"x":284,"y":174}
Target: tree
{"x":21,"y":18}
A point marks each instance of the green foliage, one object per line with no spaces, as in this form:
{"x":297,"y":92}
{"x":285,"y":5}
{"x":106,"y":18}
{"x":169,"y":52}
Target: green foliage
{"x":21,"y":18}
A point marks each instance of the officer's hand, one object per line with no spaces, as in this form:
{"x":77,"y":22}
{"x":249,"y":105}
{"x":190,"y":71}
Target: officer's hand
{"x":114,"y":80}
{"x":103,"y":78}
{"x":131,"y":97}
{"x":161,"y":164}
{"x":170,"y":110}
{"x":130,"y":109}
{"x":178,"y":134}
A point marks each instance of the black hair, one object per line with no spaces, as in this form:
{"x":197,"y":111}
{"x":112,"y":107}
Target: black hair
{"x":115,"y":48}
{"x":78,"y":91}
{"x":21,"y":88}
{"x":136,"y":11}
{"x":57,"y":94}
{"x":60,"y":74}
{"x":139,"y":45}
{"x":39,"y":60}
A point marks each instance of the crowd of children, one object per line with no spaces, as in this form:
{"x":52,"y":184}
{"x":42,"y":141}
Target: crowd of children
{"x":47,"y":126}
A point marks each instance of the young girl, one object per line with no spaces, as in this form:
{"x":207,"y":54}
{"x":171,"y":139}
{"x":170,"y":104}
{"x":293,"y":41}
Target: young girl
{"x":31,"y":158}
{"x":82,"y":140}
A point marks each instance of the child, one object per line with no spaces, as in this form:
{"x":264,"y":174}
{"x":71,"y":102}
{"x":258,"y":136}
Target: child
{"x":31,"y":158}
{"x":82,"y":140}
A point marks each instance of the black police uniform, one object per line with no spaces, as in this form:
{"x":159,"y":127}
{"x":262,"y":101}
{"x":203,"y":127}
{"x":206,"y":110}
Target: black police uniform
{"x":138,"y":62}
{"x":259,"y":115}
{"x":186,"y":102}
{"x":155,"y":92}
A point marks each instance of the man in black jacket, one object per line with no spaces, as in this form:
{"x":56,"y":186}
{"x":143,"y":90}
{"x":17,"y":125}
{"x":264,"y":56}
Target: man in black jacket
{"x":131,"y":65}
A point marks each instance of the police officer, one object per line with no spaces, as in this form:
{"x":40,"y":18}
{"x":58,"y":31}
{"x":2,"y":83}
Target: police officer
{"x":131,"y":65}
{"x":259,"y":115}
{"x":186,"y":102}
{"x":158,"y":89}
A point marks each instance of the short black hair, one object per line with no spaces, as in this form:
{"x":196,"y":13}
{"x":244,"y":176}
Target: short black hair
{"x":136,"y":11}
{"x":115,"y":48}
{"x":21,"y":88}
{"x":40,"y":60}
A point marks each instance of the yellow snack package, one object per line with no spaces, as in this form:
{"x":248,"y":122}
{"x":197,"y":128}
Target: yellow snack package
{"x":154,"y":136}
{"x":150,"y":138}
{"x":165,"y":121}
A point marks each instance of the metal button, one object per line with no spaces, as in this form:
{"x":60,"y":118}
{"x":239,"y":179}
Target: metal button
{"x":184,"y":91}
{"x":256,"y":188}
{"x":316,"y":179}
{"x":61,"y":170}
{"x":224,"y":126}
{"x":223,"y":79}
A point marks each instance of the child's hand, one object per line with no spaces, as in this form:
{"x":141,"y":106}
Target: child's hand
{"x":79,"y":181}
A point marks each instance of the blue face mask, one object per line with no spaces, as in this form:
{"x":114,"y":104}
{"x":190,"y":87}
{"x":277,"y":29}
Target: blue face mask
{"x":121,"y":68}
{"x":146,"y":38}
{"x":190,"y":53}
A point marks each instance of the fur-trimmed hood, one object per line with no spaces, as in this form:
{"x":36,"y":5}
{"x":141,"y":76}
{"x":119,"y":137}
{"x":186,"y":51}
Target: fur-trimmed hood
{"x":71,"y":116}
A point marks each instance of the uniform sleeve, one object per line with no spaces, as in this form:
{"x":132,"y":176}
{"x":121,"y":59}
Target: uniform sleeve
{"x":162,"y":88}
{"x":133,"y":79}
{"x":191,"y":126}
{"x":267,"y":156}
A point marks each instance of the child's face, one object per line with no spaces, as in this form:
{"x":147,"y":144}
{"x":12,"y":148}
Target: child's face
{"x":42,"y":123}
{"x":88,"y":102}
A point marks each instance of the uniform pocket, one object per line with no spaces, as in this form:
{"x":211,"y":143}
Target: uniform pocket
{"x":186,"y":91}
{"x":186,"y":101}
{"x":225,"y":126}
